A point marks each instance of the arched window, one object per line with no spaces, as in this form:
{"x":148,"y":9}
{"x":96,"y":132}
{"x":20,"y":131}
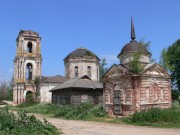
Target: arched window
{"x":29,"y":70}
{"x":29,"y":47}
{"x":89,"y":71}
{"x":76,"y":71}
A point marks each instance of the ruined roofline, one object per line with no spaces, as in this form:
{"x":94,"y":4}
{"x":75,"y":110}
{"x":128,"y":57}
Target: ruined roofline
{"x":28,"y":33}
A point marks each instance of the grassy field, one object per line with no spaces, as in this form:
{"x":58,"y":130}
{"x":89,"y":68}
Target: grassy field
{"x":167,"y":118}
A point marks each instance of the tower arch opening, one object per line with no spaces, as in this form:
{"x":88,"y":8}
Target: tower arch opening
{"x":29,"y":47}
{"x":29,"y":71}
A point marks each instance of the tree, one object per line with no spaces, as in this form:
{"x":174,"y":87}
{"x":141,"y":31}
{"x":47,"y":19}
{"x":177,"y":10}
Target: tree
{"x":3,"y":90}
{"x":170,"y":60}
{"x":135,"y":65}
{"x":102,"y":68}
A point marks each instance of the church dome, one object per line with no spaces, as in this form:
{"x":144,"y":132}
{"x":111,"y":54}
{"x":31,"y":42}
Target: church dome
{"x":126,"y":54}
{"x":133,"y":46}
{"x":81,"y":53}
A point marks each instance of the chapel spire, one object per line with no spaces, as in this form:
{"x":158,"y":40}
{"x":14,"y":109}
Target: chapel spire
{"x":133,"y":36}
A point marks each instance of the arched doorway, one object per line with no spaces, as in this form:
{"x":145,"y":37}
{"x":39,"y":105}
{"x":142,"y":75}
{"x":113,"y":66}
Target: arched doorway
{"x":29,"y":97}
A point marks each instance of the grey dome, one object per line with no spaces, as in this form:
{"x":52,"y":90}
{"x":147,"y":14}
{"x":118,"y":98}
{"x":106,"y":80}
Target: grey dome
{"x":133,"y":46}
{"x":81,"y":53}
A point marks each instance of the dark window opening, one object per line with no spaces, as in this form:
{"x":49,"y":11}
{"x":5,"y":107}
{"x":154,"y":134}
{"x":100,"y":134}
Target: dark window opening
{"x":29,"y":70}
{"x":76,"y":71}
{"x":29,"y":47}
{"x":89,"y":71}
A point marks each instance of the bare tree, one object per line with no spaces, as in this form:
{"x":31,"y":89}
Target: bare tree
{"x":6,"y":90}
{"x":3,"y":90}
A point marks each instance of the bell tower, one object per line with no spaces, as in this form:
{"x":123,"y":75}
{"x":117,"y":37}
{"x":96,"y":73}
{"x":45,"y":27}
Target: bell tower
{"x":27,"y":65}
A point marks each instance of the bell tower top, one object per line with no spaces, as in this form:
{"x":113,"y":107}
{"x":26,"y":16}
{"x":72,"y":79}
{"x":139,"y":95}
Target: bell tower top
{"x":28,"y":57}
{"x":28,"y":44}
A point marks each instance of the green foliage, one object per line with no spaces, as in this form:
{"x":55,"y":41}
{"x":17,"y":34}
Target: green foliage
{"x":156,"y":116}
{"x":147,"y":46}
{"x":102,"y":68}
{"x":170,"y":60}
{"x":27,"y":104}
{"x":175,"y":94}
{"x":83,"y":111}
{"x":153,"y":117}
{"x":134,"y":64}
{"x":29,"y":98}
{"x":35,"y":107}
{"x":6,"y":91}
{"x":24,"y":124}
{"x":89,"y":53}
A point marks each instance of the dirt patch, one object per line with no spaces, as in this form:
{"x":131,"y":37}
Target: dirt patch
{"x":74,"y":127}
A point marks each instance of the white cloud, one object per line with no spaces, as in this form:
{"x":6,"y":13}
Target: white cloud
{"x":110,"y":59}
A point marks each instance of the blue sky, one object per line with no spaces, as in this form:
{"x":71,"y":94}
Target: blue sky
{"x":102,"y":26}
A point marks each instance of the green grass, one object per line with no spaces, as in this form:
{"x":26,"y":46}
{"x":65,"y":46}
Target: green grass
{"x":167,"y":118}
{"x":156,"y":117}
{"x":23,"y":124}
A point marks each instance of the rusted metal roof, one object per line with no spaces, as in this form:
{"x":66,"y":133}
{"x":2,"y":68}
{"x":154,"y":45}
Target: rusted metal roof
{"x":81,"y":53}
{"x":82,"y":82}
{"x":53,"y":79}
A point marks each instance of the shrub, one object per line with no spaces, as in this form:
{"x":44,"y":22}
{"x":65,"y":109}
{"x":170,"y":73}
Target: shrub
{"x":24,"y":124}
{"x":99,"y":111}
{"x":155,"y":115}
{"x":82,"y":111}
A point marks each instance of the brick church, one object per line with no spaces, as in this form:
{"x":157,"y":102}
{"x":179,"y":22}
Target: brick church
{"x":126,"y":92}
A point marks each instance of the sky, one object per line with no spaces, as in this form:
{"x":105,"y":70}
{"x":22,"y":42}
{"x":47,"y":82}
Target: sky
{"x":101,"y":26}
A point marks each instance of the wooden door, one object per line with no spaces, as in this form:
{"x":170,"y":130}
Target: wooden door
{"x":117,"y":103}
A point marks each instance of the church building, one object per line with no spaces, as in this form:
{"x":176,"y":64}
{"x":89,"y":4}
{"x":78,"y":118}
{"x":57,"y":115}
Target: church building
{"x":82,"y":71}
{"x":126,"y":92}
{"x":81,"y":65}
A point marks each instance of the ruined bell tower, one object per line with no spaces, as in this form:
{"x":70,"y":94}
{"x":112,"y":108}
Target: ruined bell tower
{"x":27,"y":65}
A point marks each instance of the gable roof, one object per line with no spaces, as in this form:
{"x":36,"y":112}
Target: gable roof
{"x":115,"y":67}
{"x":158,"y":67}
{"x":82,"y":82}
{"x":53,"y":79}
